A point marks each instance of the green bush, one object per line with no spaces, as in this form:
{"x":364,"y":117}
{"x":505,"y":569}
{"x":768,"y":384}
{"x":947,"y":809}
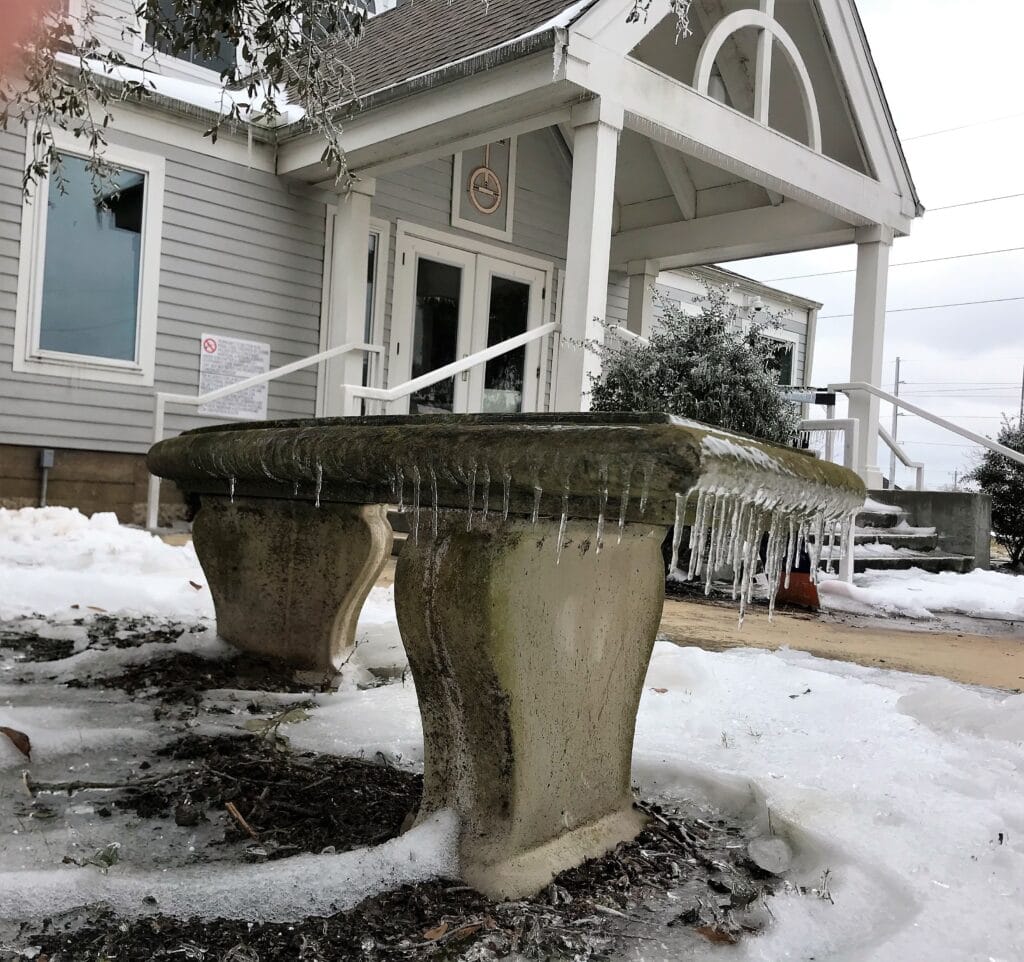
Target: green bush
{"x":1003,"y":480}
{"x":716,"y":367}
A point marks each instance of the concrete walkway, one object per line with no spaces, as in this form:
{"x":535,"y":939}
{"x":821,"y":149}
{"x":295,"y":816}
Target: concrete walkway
{"x":995,"y":660}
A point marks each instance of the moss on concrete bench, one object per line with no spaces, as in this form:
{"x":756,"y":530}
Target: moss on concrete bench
{"x":528,"y":595}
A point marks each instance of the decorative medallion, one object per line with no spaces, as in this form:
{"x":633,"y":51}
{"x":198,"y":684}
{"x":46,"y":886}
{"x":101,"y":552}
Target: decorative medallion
{"x":484,"y":186}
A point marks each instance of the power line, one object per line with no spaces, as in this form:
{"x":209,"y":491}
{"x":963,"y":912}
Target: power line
{"x":926,"y":260}
{"x":953,"y":130}
{"x":933,"y":307}
{"x":974,"y":203}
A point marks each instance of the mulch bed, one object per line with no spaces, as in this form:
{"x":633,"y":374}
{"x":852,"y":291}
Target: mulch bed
{"x":588,"y":913}
{"x":685,"y":872}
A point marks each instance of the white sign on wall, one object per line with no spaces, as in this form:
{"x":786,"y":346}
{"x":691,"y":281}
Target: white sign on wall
{"x":228,"y":360}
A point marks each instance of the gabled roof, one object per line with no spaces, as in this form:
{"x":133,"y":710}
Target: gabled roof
{"x":417,"y":38}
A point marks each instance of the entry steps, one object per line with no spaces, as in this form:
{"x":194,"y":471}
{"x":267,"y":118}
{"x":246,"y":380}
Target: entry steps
{"x":883,"y":537}
{"x":885,"y":540}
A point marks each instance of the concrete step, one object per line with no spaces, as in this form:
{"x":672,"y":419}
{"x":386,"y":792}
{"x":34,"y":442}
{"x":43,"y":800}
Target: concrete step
{"x":875,"y":514}
{"x":930,"y":561}
{"x":898,"y":539}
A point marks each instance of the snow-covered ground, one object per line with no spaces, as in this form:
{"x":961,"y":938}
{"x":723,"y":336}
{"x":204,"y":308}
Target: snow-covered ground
{"x":906,"y":789}
{"x":919,"y":594}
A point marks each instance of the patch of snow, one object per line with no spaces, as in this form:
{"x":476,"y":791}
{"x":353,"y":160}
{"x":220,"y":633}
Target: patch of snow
{"x":917,"y":594}
{"x":212,"y":96}
{"x":876,"y":507}
{"x":54,"y":558}
{"x":305,"y":885}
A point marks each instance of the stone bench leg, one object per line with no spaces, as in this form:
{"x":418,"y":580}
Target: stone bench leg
{"x":289,"y":579}
{"x":529,"y":675}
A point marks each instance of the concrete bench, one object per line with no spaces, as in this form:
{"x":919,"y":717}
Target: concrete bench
{"x":528,"y":595}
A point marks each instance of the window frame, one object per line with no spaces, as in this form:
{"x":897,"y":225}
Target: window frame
{"x":783,"y":336}
{"x":29,"y":358}
{"x":166,"y":63}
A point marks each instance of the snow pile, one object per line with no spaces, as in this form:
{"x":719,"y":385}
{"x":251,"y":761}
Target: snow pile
{"x":54,"y":558}
{"x":917,"y":594}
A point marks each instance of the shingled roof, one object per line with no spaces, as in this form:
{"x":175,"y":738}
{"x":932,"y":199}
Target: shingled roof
{"x":420,"y":37}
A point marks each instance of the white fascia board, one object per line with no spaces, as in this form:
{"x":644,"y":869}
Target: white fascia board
{"x":843,"y":36}
{"x":163,"y":127}
{"x":435,"y":118}
{"x":732,"y":236}
{"x":606,"y":23}
{"x":663,"y":109}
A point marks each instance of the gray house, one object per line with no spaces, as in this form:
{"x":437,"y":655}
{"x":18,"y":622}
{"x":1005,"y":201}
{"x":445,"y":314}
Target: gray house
{"x":521,"y":172}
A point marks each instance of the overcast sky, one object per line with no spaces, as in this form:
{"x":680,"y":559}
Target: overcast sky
{"x":944,"y":64}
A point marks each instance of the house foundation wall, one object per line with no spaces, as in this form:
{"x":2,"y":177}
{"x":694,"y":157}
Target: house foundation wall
{"x":92,"y":481}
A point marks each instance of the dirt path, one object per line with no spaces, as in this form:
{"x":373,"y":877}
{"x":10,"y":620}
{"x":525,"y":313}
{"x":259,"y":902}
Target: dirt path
{"x":994,"y":660}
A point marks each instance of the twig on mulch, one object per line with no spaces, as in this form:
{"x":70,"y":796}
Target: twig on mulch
{"x":237,"y":816}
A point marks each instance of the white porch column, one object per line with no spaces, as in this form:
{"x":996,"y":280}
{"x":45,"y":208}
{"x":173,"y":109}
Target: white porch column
{"x":597,"y":124}
{"x":873,"y":245}
{"x":346,"y":312}
{"x":643,"y":275}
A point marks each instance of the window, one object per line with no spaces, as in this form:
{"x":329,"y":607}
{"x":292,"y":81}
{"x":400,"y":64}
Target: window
{"x":219,"y":56}
{"x":90,"y":270}
{"x":782,"y":359}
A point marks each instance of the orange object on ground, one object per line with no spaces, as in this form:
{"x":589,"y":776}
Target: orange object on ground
{"x":801,"y":591}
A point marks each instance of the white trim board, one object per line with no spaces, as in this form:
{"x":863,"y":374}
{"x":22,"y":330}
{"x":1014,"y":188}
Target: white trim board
{"x":458,"y":192}
{"x":28,"y":357}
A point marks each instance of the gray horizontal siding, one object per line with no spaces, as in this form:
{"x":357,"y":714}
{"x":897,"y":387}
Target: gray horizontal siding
{"x":241,"y":256}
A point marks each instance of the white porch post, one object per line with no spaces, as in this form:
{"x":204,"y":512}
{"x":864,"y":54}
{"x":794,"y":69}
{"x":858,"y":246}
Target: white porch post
{"x":346,"y":317}
{"x":643,"y":275}
{"x":597,"y":125}
{"x":873,"y":245}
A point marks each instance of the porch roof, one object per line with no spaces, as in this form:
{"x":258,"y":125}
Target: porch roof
{"x":416,"y":41}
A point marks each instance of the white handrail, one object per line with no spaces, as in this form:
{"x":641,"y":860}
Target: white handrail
{"x":903,"y":457}
{"x":627,"y":334}
{"x":933,"y":418}
{"x":850,"y":428}
{"x":162,"y":398}
{"x":352,"y":392}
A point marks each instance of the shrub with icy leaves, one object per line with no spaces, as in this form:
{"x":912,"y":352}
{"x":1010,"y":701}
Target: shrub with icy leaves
{"x":716,"y":367}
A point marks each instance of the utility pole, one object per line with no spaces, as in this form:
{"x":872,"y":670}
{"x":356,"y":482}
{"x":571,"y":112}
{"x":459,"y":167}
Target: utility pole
{"x":1020,"y":419}
{"x":896,"y":422}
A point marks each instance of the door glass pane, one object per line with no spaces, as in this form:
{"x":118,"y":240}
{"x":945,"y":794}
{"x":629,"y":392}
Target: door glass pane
{"x":435,"y":333}
{"x":371,"y":296}
{"x":507,"y":317}
{"x":90,"y":302}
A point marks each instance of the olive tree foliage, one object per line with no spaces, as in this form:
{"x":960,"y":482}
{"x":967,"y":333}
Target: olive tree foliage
{"x":715,"y":367}
{"x":65,"y":66}
{"x":68,"y":70}
{"x":1003,"y":480}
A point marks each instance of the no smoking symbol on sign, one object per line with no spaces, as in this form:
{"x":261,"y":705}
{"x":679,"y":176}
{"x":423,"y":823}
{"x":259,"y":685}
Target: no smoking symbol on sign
{"x":210,"y":346}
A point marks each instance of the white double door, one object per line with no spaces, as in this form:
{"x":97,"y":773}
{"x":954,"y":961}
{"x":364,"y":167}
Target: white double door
{"x":450,"y":303}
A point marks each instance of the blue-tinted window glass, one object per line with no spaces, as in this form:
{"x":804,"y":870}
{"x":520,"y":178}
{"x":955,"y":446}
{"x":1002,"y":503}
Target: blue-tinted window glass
{"x":90,"y":301}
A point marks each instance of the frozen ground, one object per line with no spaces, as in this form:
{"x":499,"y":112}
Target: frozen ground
{"x":919,"y":594}
{"x":905,"y":789}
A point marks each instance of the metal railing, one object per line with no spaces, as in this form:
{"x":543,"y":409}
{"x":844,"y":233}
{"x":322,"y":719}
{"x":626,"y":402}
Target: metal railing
{"x":163,"y":398}
{"x":978,"y":439}
{"x":904,"y":458}
{"x":352,"y":393}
